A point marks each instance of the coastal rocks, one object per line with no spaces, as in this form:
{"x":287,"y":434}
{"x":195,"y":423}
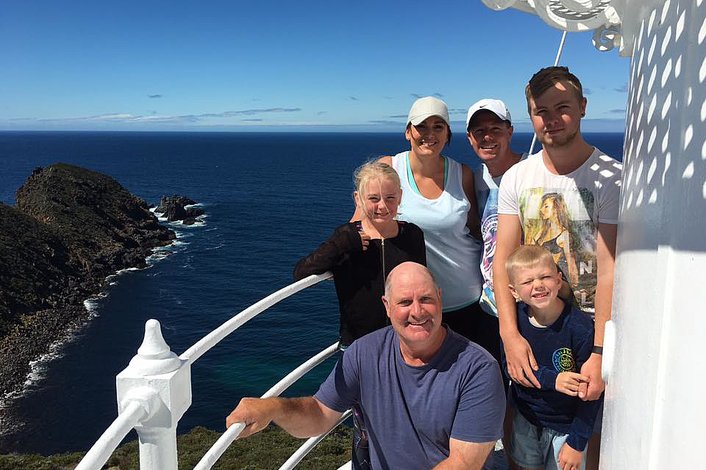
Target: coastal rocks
{"x":36,"y":268}
{"x":177,"y":208}
{"x":70,"y":229}
{"x":105,"y":227}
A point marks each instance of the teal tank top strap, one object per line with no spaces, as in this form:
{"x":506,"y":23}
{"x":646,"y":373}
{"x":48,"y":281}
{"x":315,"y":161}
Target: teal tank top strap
{"x":410,"y":175}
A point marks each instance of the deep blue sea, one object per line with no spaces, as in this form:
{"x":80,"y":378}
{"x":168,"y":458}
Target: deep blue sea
{"x":270,"y":198}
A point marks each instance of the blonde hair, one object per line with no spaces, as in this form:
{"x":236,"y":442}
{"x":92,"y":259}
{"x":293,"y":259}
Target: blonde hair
{"x":374,"y":170}
{"x":527,"y":256}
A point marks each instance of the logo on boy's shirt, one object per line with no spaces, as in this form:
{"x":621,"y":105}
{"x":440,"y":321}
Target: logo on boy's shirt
{"x":563,"y":360}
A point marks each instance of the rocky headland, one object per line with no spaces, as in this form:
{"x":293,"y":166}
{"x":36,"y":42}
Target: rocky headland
{"x":70,"y":229}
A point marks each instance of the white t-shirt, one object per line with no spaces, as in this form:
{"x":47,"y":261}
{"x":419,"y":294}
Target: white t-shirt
{"x":562,"y":213}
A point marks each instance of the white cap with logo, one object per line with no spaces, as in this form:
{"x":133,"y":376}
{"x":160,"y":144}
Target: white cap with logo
{"x":496,"y":107}
{"x":427,"y":107}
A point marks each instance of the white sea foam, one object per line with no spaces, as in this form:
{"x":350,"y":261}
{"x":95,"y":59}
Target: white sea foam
{"x":217,"y":247}
{"x":92,"y":304}
{"x":126,"y":270}
{"x":39,"y":367}
{"x":157,"y":255}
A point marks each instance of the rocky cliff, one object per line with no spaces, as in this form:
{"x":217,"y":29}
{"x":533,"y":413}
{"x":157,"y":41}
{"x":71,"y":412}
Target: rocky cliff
{"x":71,"y":228}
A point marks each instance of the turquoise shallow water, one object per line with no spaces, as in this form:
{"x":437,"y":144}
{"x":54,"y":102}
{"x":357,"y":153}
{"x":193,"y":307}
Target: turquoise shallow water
{"x":269,"y":199}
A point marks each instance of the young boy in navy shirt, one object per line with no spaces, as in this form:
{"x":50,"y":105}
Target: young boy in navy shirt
{"x":552,"y":425}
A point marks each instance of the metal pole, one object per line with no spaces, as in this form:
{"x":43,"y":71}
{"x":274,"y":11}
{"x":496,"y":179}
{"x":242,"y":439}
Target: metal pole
{"x":556,"y":62}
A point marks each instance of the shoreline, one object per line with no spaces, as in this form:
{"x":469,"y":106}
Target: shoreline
{"x":71,"y":232}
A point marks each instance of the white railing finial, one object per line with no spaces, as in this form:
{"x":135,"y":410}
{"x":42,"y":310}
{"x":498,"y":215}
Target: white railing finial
{"x":154,"y":356}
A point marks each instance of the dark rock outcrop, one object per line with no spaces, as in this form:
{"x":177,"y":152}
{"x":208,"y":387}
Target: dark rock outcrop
{"x":71,"y":228}
{"x":175,"y":208}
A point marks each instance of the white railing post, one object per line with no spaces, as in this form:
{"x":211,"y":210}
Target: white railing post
{"x":161,"y":382}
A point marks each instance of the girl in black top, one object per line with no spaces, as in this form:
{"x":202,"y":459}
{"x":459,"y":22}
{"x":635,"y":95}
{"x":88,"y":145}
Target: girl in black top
{"x":361,"y":253}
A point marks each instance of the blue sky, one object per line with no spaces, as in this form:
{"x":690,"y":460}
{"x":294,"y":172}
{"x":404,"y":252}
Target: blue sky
{"x":274,"y":65}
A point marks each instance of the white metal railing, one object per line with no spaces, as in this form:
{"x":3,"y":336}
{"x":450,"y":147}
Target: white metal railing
{"x":211,"y":339}
{"x":312,"y":442}
{"x":154,"y":390}
{"x":110,"y":439}
{"x":232,"y":433}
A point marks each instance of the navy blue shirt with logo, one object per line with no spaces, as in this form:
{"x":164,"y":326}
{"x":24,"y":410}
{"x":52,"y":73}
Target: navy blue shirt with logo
{"x":561,"y":347}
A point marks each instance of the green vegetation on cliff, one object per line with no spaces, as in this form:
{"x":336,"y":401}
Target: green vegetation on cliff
{"x":264,"y":451}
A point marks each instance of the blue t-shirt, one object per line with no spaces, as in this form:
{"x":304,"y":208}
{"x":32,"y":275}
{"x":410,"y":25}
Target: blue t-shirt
{"x":561,"y":347}
{"x":412,"y":412}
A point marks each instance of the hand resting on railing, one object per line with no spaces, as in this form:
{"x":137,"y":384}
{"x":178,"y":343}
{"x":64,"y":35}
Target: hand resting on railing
{"x":300,"y":417}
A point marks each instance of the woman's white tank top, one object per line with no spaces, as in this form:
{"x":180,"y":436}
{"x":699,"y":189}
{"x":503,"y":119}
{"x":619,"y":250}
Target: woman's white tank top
{"x":453,"y":255}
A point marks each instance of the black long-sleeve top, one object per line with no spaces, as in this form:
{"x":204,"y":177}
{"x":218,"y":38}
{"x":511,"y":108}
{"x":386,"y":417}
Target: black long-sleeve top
{"x":360,"y":275}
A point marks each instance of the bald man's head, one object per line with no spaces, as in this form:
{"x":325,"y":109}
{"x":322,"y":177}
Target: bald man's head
{"x":413,"y":305}
{"x":406,"y":269}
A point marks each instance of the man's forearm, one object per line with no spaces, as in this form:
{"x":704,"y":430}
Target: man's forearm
{"x":507,"y":308}
{"x":508,"y":239}
{"x":302,"y":417}
{"x":603,"y":305}
{"x":603,"y":302}
{"x":466,"y":456}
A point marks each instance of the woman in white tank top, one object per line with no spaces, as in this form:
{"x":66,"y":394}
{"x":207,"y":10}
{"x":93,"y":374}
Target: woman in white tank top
{"x":439,"y":197}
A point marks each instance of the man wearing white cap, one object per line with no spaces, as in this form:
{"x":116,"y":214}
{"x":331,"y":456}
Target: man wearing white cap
{"x":489,"y":130}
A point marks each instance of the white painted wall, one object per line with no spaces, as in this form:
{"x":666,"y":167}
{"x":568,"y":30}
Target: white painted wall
{"x":654,"y":412}
{"x":654,"y":408}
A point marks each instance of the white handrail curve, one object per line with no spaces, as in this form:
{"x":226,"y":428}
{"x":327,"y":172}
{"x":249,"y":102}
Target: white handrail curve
{"x":232,"y":433}
{"x":214,"y":337}
{"x":312,"y":442}
{"x":299,"y":372}
{"x":104,"y":447}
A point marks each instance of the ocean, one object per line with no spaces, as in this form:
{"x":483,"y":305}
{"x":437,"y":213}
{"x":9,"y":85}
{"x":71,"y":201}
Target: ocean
{"x":270,"y":198}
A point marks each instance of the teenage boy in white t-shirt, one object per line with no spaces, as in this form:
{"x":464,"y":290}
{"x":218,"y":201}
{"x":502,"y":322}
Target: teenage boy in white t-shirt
{"x":564,"y":198}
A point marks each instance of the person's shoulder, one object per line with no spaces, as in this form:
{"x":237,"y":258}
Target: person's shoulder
{"x":468,"y":352}
{"x":522,"y":166}
{"x":387,"y":159}
{"x":479,"y":171}
{"x":528,"y":160}
{"x":579,"y":319}
{"x":409,"y":227}
{"x":370,"y":344}
{"x":347,"y":228}
{"x":601,"y":155}
{"x":604,"y":171}
{"x":604,"y":164}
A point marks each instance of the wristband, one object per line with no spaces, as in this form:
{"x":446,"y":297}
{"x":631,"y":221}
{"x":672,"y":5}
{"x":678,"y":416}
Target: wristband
{"x":597,"y":349}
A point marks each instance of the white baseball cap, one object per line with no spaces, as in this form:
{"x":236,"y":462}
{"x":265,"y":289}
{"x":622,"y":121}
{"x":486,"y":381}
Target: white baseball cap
{"x":496,"y":107}
{"x":426,"y":107}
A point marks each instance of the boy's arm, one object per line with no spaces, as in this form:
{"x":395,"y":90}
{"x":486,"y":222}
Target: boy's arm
{"x":586,"y":411}
{"x":518,"y":353}
{"x":569,"y":458}
{"x":607,"y":235}
{"x":582,"y":425}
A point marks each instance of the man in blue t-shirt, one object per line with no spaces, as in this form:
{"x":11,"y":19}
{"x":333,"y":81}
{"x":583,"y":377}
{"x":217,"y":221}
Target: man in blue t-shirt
{"x":430,"y":398}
